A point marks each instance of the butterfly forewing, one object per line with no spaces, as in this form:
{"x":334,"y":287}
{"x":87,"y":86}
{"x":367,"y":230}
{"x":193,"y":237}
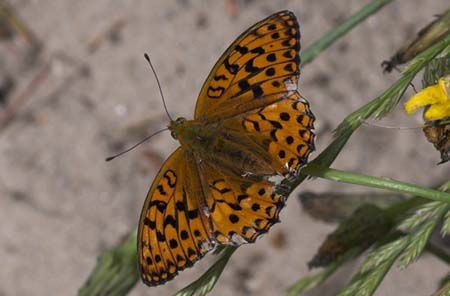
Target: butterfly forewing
{"x":260,"y":67}
{"x":173,"y":232}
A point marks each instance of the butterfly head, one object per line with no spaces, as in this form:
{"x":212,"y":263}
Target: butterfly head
{"x":176,"y":127}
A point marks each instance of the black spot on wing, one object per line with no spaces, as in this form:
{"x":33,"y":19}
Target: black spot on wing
{"x":193,"y":214}
{"x":257,"y":91}
{"x":160,"y":189}
{"x":160,"y":236}
{"x":151,"y":224}
{"x":232,"y":68}
{"x":215,"y":92}
{"x":250,"y":68}
{"x":289,"y":140}
{"x":171,"y":178}
{"x":180,"y":206}
{"x":270,"y":71}
{"x":284,"y":116}
{"x":287,"y":54}
{"x":243,"y":85}
{"x":254,"y":123}
{"x":160,"y":205}
{"x":170,"y":220}
{"x":241,"y":49}
{"x":271,"y":57}
{"x":241,"y":197}
{"x":224,"y":190}
{"x":184,"y":235}
{"x":288,"y":67}
{"x":256,"y":207}
{"x":275,"y":124}
{"x":173,"y":244}
{"x":234,"y":218}
{"x":276,"y":83}
{"x":220,"y":77}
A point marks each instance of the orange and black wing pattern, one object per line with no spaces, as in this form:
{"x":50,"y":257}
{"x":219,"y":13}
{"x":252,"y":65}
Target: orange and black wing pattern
{"x":240,"y":209}
{"x":284,"y":129}
{"x":259,"y":68}
{"x":173,"y":231}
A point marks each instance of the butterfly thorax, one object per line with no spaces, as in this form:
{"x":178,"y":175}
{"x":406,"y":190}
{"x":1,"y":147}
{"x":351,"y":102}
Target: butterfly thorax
{"x":193,"y":134}
{"x":219,"y":147}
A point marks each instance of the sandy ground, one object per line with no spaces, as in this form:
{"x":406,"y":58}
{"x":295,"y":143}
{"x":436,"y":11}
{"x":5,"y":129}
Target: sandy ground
{"x":61,"y":205}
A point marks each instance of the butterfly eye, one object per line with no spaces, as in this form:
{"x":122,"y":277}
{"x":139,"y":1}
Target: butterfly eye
{"x":174,"y":135}
{"x":180,"y":120}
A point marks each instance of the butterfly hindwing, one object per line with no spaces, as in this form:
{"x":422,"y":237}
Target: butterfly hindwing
{"x":283,"y":129}
{"x":240,"y":209}
{"x":173,"y":232}
{"x":260,"y":67}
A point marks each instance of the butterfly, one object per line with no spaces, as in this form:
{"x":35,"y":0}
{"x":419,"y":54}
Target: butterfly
{"x":250,"y":130}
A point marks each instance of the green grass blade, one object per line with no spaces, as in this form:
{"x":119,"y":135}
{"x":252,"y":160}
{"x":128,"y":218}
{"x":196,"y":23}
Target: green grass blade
{"x":376,"y":182}
{"x":204,"y":284}
{"x":309,"y":282}
{"x":340,"y":30}
{"x":116,"y":271}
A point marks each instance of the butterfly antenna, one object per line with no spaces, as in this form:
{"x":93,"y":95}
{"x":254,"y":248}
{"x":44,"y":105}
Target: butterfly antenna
{"x":135,"y":145}
{"x":393,"y":127}
{"x":159,"y":85}
{"x":413,"y":87}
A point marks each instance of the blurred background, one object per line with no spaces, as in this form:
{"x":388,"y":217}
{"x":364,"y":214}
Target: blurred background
{"x":75,"y":88}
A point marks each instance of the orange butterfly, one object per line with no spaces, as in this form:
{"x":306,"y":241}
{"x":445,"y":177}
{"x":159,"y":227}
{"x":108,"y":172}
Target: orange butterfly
{"x":250,"y":126}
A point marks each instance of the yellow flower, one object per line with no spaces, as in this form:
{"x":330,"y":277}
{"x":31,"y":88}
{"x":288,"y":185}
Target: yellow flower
{"x":436,"y":97}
